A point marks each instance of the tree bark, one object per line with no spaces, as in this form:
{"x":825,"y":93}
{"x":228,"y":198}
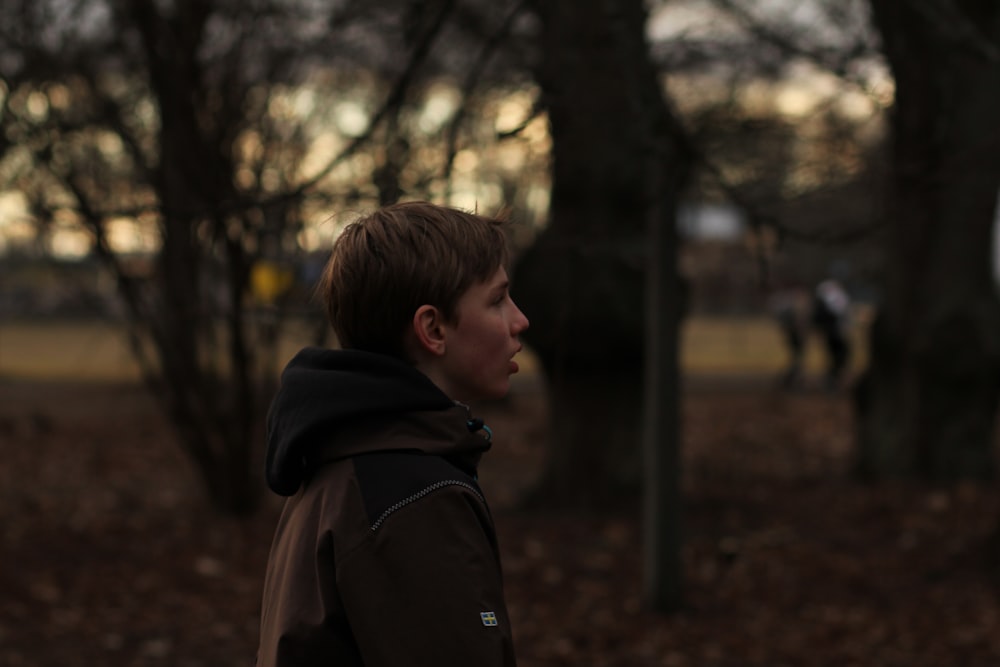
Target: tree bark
{"x":927,"y":403}
{"x":615,"y":160}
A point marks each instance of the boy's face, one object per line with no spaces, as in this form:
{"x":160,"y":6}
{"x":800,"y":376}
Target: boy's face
{"x":482,"y":341}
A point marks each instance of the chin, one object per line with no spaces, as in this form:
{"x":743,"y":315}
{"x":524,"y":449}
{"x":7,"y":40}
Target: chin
{"x":492,"y":394}
{"x":500,"y":393}
{"x":483,"y":391}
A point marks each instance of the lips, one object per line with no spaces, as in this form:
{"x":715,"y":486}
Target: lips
{"x":513,"y":364}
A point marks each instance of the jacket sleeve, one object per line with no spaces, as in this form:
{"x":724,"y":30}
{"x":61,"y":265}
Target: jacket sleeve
{"x":425,"y":588}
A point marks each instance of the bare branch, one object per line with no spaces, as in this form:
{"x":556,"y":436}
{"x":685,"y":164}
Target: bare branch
{"x":473,"y":76}
{"x":391,"y":104}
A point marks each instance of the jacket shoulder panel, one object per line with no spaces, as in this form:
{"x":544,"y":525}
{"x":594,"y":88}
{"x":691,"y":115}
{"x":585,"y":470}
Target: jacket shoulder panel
{"x":389,"y":481}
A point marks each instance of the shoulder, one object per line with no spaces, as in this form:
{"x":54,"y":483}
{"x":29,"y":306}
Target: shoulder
{"x":391,"y":481}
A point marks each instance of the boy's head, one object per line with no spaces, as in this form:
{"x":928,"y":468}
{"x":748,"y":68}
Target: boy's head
{"x":386,"y":265}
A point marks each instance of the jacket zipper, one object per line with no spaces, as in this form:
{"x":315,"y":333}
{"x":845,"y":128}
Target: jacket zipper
{"x":420,"y":494}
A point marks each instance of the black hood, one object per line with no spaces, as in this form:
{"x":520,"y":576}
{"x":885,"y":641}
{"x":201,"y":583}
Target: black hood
{"x":326,"y":394}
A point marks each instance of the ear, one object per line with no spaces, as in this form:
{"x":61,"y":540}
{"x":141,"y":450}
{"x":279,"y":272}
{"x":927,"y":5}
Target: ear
{"x":429,"y":330}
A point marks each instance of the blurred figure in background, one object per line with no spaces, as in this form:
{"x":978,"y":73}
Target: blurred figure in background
{"x":832,"y":317}
{"x":789,"y":305}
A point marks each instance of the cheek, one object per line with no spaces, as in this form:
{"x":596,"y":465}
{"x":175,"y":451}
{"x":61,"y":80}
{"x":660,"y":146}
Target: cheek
{"x":488,"y":355}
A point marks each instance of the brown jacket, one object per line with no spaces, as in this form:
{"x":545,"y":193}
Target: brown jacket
{"x":386,"y":554}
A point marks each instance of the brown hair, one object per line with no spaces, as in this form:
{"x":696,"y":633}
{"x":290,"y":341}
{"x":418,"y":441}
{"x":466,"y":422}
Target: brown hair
{"x":387,"y":264}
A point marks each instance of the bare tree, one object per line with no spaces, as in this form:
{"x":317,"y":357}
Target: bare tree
{"x":176,"y":115}
{"x":171,"y":91}
{"x":928,"y":403}
{"x":187,"y":118}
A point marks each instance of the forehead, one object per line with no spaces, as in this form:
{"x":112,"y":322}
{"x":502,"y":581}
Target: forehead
{"x":498,"y":279}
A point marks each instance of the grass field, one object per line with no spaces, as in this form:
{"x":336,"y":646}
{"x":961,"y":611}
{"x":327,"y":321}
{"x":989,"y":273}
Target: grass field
{"x":94,"y":351}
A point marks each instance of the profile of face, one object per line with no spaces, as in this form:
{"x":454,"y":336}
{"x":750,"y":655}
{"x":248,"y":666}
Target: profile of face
{"x":476,"y":357}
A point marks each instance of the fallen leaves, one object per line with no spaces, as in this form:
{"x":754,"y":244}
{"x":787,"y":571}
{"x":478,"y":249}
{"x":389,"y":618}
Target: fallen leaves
{"x":111,"y":557}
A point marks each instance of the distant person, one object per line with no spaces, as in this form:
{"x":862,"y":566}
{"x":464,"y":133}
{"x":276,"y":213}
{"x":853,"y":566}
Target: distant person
{"x":789,"y":306}
{"x":385,"y":554}
{"x":832,"y":317}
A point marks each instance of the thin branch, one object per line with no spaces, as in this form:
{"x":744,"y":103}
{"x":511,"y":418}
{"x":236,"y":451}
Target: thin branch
{"x":835,"y":62}
{"x":391,"y":104}
{"x":537,"y":109}
{"x":472,"y":77}
{"x":127,"y":287}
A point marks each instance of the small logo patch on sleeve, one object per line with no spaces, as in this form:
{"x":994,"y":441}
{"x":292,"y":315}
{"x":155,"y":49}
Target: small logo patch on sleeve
{"x":489,"y":618}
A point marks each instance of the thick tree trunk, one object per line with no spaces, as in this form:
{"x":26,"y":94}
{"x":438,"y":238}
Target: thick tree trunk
{"x":615,"y":160}
{"x":928,"y":402}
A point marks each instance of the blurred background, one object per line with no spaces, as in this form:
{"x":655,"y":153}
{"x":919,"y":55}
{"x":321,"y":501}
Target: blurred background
{"x":755,"y":422}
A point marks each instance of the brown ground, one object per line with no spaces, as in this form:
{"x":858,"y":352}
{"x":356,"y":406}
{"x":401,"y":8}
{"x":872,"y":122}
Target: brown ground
{"x":110,"y":556}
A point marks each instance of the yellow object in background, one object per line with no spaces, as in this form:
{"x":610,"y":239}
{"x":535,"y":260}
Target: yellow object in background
{"x":268,"y":281}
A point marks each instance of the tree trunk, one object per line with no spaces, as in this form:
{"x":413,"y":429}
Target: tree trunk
{"x":927,"y":404}
{"x":582,"y":283}
{"x":206,"y":381}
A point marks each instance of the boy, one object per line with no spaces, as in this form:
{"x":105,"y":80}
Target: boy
{"x":385,"y":553}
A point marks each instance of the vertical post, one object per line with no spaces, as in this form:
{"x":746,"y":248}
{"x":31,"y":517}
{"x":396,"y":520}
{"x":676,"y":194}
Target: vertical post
{"x":662,"y":567}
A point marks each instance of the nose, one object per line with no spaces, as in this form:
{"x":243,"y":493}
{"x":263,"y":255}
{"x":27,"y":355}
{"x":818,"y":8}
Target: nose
{"x":519,"y":323}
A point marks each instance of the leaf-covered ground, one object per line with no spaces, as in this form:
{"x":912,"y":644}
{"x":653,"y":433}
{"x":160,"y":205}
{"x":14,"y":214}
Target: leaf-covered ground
{"x":110,"y":556}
